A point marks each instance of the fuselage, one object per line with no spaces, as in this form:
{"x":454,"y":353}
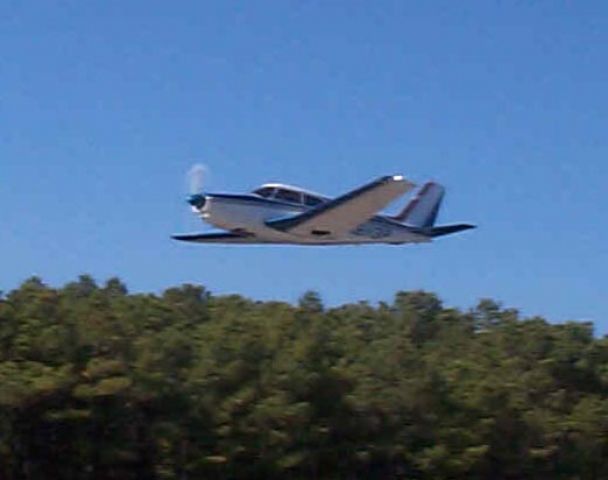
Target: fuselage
{"x":248,"y":214}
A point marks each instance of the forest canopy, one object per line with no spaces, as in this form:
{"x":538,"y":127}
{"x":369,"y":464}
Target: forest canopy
{"x":98,"y":383}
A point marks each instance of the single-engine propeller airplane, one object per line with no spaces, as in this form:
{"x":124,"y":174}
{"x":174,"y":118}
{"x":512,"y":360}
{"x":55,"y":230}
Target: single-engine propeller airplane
{"x":276,"y":213}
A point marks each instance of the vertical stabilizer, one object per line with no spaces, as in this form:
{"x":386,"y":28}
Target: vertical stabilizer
{"x":422,"y":210}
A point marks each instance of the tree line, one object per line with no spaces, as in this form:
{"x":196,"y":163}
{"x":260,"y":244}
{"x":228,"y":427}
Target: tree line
{"x":98,"y":383}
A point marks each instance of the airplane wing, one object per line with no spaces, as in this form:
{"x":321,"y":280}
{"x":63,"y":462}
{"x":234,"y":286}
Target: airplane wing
{"x":215,"y":237}
{"x":341,"y":215}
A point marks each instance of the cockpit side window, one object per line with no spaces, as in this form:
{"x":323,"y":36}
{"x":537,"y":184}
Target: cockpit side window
{"x":288,"y":196}
{"x":312,"y":201}
{"x":264,"y":192}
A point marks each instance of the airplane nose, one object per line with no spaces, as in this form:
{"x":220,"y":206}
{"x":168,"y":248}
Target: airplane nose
{"x":197,"y":200}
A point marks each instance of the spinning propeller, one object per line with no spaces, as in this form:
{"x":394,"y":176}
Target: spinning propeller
{"x":196,"y":176}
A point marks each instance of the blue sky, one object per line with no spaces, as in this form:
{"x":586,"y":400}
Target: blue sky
{"x":105,"y":105}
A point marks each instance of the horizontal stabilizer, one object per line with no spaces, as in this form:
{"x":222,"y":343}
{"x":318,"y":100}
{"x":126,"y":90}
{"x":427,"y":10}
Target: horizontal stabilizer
{"x":446,"y":229}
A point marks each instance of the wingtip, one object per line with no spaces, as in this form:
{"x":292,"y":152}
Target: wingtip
{"x":401,"y":179}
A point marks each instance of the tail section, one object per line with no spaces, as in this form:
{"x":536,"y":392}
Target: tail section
{"x":422,"y":210}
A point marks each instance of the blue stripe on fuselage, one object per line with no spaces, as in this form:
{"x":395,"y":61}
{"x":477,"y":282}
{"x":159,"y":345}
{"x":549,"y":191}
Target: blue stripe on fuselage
{"x":254,"y":199}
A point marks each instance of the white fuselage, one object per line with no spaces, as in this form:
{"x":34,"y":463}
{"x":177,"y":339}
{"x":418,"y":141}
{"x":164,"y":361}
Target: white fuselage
{"x":249,"y":214}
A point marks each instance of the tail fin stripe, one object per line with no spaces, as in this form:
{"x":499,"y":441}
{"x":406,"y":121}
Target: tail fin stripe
{"x":423,"y":209}
{"x":430,"y":220}
{"x":405,"y":213}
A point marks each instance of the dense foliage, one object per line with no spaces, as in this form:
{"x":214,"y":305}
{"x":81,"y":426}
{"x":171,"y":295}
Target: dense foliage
{"x":97,"y":383}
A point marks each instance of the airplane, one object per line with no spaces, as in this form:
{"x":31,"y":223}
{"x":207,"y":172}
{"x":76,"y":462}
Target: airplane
{"x":276,"y":213}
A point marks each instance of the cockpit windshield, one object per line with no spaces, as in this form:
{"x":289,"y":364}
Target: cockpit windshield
{"x":288,"y":195}
{"x":265,"y":192}
{"x":285,"y":194}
